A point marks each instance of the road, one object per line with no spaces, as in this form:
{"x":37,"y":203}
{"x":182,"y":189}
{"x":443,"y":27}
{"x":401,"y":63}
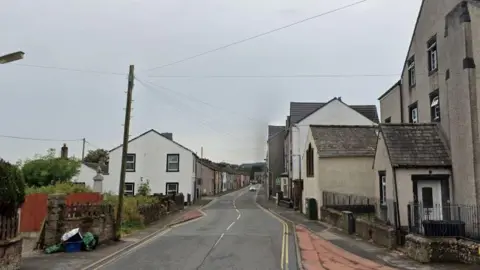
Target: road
{"x":234,"y":234}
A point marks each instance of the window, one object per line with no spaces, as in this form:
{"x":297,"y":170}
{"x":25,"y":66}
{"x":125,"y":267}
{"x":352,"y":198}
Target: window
{"x":131,"y":160}
{"x":171,"y":188}
{"x":411,"y":71}
{"x":427,"y":197}
{"x":413,"y":113}
{"x":382,"y":178}
{"x":432,"y":55}
{"x":388,"y":120}
{"x":435,"y":106}
{"x":173,"y":162}
{"x":310,"y":162}
{"x":129,"y":189}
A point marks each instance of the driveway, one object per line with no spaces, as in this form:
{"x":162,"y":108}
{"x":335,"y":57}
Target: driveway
{"x":234,"y":234}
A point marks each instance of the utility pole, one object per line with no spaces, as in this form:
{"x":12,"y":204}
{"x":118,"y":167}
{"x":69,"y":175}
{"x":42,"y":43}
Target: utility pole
{"x":126,"y":132}
{"x":83,"y":148}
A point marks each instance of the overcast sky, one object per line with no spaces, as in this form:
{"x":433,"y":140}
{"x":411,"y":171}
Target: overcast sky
{"x":227,"y":116}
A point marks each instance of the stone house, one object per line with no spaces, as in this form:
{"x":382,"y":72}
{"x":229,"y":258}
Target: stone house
{"x":275,"y":157}
{"x":338,"y":159}
{"x":206,"y":174}
{"x":304,"y":114}
{"x":432,"y":154}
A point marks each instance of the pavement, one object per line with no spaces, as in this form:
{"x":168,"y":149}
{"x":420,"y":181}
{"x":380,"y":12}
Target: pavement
{"x":234,"y":233}
{"x":86,"y":260}
{"x":326,"y":248}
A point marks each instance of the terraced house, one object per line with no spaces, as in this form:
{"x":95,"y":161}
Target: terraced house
{"x":428,"y":149}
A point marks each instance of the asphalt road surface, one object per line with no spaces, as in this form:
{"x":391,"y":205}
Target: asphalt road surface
{"x":234,"y":234}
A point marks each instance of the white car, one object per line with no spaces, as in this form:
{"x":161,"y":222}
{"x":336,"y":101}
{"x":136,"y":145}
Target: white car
{"x":252,"y":188}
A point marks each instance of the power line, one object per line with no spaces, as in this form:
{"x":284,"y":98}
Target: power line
{"x":208,"y":104}
{"x":279,"y":76}
{"x":39,"y":139}
{"x":259,"y":35}
{"x":151,"y":86}
{"x":71,"y":69}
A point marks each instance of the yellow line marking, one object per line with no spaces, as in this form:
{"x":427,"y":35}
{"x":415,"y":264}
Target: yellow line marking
{"x":286,"y":246}
{"x":282,"y":259}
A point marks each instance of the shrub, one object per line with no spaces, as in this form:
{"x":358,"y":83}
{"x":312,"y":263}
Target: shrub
{"x":61,"y":187}
{"x":12,"y":188}
{"x":144,"y":188}
{"x":131,"y":217}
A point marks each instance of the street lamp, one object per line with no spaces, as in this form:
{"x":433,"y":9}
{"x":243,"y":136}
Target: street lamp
{"x":11,"y":57}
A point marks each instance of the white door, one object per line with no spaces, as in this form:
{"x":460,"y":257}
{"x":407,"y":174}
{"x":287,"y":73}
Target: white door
{"x":430,"y":200}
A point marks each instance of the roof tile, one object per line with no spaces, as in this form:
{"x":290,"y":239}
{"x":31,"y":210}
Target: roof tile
{"x":415,"y":145}
{"x":344,"y":141}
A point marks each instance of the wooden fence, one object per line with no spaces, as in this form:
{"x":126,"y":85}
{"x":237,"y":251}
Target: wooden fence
{"x":8,"y":227}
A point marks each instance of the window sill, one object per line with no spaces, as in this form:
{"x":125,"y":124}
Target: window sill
{"x":383,"y":206}
{"x":433,"y":72}
{"x":412,"y":86}
{"x":173,"y":171}
{"x":129,"y":170}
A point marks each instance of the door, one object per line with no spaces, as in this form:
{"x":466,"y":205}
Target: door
{"x":430,"y":200}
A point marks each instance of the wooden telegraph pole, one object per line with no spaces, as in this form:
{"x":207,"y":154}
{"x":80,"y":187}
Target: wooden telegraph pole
{"x":126,"y":132}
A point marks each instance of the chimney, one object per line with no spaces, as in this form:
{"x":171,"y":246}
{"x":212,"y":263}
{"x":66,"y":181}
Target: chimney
{"x":167,"y":135}
{"x":339,"y":98}
{"x":64,"y":151}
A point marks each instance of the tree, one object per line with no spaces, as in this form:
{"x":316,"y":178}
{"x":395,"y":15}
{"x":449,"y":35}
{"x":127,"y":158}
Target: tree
{"x":95,"y":156}
{"x":12,"y":188}
{"x":49,"y":169}
{"x":144,"y":188}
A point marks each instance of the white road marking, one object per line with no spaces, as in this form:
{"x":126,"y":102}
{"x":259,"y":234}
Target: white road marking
{"x":228,"y":228}
{"x":220,"y":238}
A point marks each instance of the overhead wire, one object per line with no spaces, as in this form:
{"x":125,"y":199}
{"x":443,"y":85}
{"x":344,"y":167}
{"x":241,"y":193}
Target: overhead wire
{"x":152,"y":87}
{"x":39,"y":139}
{"x":72,"y":69}
{"x":258,"y":35}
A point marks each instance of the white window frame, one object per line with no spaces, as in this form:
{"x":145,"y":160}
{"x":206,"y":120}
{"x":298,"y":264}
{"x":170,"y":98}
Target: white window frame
{"x":414,"y":114}
{"x":131,"y":162}
{"x":411,"y":72}
{"x":168,"y":190}
{"x":129,"y":191}
{"x":169,"y":162}
{"x":436,"y":107}
{"x":383,"y":182}
{"x":432,"y":56}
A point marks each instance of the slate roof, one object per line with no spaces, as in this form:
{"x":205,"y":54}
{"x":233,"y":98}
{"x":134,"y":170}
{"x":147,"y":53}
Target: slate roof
{"x":415,"y":145}
{"x":274,"y":130}
{"x":344,"y":141}
{"x":300,"y":110}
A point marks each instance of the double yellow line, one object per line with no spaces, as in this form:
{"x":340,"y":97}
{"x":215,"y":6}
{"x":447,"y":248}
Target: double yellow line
{"x":284,"y":258}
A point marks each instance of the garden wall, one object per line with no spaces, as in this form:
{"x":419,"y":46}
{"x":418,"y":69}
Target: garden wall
{"x":34,"y":210}
{"x":10,"y":243}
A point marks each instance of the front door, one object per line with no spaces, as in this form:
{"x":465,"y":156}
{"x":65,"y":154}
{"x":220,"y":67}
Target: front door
{"x":430,"y":199}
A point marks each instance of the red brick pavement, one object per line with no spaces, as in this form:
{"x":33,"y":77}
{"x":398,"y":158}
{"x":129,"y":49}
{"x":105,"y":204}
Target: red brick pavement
{"x":187,"y":216}
{"x":319,"y":254}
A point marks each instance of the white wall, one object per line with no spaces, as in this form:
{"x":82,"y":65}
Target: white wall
{"x":151,"y":160}
{"x":85,"y":175}
{"x":333,"y":113}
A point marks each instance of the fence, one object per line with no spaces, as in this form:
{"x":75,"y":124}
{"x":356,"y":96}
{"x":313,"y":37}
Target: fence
{"x":8,"y":227}
{"x":450,"y":220}
{"x":371,"y":208}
